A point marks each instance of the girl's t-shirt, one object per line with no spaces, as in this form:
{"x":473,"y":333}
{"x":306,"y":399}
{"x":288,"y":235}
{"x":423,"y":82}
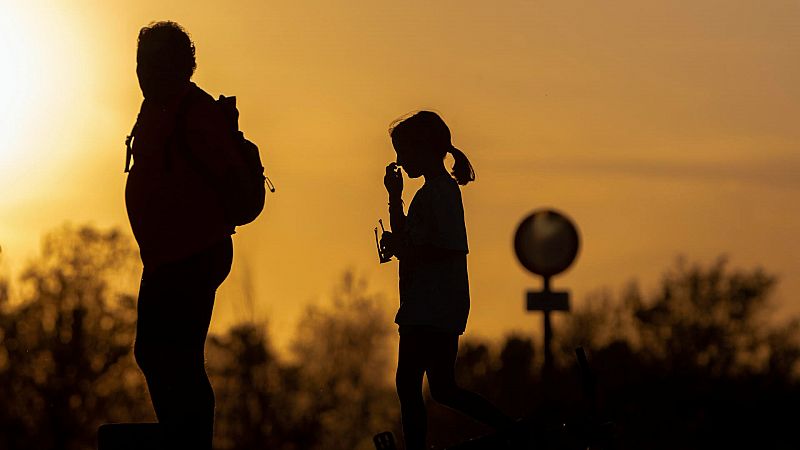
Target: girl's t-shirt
{"x":434,"y":292}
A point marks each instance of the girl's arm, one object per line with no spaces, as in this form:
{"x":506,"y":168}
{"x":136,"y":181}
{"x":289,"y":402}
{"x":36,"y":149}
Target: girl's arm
{"x":397,"y":217}
{"x":394,"y":241}
{"x":393,"y":181}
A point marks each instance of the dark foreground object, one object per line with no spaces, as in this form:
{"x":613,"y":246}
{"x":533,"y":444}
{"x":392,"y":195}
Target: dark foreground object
{"x":384,"y":441}
{"x":532,"y":437}
{"x":586,"y":431}
{"x":552,"y":436}
{"x":129,"y":436}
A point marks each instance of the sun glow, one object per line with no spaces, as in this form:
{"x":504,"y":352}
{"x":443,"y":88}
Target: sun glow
{"x":21,"y":79}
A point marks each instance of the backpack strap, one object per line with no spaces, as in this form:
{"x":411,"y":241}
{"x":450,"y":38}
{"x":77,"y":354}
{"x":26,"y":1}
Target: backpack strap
{"x":128,"y":147}
{"x":180,"y":142}
{"x":178,"y":137}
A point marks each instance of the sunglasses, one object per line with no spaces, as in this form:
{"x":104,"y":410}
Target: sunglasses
{"x":381,"y":256}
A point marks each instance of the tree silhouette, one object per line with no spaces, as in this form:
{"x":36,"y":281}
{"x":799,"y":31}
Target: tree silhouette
{"x":69,"y":339}
{"x":344,"y":374}
{"x":690,"y":364}
{"x":516,"y":376}
{"x":695,"y":364}
{"x":251,"y":394}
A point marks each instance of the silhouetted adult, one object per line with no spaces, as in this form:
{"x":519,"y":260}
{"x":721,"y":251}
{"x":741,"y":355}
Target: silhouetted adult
{"x":177,"y":217}
{"x":431,"y":245}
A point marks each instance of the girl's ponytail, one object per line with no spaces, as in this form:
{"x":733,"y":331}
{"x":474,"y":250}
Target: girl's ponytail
{"x":427,"y":131}
{"x":462,"y":169}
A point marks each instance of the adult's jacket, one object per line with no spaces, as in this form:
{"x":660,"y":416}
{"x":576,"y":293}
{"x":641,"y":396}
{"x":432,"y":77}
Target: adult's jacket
{"x":179,"y":151}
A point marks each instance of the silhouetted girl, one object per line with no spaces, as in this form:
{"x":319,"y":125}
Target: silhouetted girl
{"x":431,"y":245}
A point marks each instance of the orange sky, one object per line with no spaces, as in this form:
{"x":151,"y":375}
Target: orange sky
{"x":661,"y":128}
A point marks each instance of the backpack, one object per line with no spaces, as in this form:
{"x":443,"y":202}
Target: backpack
{"x":242,"y":192}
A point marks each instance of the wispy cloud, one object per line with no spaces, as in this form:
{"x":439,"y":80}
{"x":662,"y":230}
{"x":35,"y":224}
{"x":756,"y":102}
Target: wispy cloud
{"x":777,"y":173}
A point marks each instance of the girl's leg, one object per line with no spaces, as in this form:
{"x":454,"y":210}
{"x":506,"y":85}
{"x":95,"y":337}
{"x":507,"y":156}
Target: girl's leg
{"x":410,"y":370}
{"x":442,"y":383}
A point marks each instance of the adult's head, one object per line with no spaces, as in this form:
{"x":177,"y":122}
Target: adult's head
{"x":421,"y":141}
{"x":164,"y":59}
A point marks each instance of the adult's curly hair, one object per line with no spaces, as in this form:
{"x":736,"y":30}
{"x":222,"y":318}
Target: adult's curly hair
{"x":168,"y":44}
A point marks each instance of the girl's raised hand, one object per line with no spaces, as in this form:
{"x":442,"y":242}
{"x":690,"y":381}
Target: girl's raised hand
{"x":393,"y":180}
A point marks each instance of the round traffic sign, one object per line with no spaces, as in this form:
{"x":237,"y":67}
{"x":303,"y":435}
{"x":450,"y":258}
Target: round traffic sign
{"x":546,"y":242}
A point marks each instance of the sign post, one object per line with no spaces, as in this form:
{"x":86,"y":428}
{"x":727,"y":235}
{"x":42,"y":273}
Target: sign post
{"x":546,"y":244}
